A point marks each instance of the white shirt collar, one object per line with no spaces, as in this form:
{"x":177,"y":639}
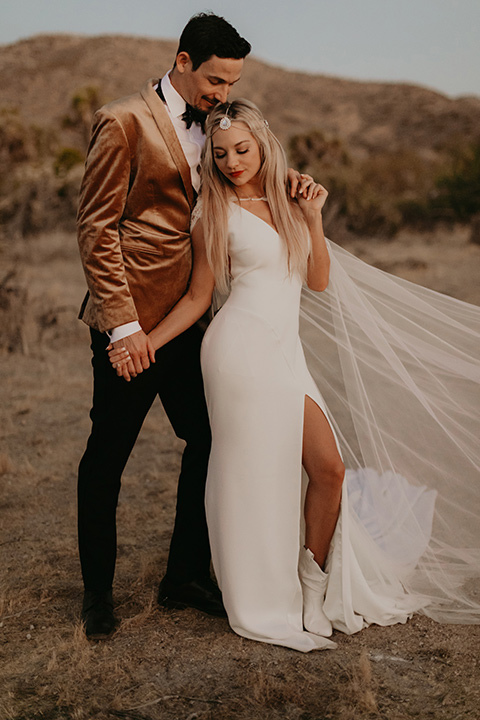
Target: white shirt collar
{"x":176,"y":104}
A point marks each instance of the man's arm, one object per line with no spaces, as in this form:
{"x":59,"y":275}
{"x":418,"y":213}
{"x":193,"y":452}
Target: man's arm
{"x":103,"y":195}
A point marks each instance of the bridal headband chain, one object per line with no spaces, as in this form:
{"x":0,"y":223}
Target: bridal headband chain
{"x":226,"y":121}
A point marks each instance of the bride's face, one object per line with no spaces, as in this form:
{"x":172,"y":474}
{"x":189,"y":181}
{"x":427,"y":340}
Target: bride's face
{"x":237,"y":156}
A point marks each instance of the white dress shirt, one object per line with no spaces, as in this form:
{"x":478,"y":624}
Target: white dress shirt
{"x":192,"y":141}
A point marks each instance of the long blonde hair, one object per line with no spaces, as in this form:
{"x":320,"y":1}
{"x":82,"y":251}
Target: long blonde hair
{"x":216,"y":193}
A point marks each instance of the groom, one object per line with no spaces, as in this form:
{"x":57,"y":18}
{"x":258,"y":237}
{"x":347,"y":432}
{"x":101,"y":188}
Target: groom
{"x":138,"y":191}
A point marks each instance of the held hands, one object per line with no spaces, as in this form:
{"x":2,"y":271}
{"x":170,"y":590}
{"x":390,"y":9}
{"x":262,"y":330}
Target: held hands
{"x":131,"y":355}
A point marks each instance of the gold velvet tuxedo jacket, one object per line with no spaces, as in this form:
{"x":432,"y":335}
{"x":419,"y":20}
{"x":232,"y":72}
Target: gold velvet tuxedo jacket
{"x":134,"y":213}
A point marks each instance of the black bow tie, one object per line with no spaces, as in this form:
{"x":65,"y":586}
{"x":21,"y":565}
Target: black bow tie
{"x":192,"y":115}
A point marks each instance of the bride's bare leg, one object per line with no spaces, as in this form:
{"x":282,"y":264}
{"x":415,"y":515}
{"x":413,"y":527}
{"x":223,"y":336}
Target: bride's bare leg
{"x":325,"y":471}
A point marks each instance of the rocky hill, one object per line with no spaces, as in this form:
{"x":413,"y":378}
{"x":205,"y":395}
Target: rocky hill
{"x":51,"y":84}
{"x":40,"y":76}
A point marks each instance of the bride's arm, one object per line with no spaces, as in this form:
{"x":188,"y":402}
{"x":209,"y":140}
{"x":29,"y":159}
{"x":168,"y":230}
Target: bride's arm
{"x":188,"y":309}
{"x":196,"y":300}
{"x":311,"y":203}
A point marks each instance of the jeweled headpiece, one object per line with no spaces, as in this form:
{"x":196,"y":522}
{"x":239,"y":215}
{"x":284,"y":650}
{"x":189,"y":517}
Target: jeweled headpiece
{"x":225,"y":121}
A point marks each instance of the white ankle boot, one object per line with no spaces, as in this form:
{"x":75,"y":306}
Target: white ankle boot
{"x":314,"y":585}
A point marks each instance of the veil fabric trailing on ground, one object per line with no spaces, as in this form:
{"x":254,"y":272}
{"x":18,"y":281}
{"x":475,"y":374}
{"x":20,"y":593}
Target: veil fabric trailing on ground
{"x":398,"y":366}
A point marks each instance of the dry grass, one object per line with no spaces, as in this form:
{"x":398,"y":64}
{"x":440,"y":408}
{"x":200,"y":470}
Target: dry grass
{"x":166,"y":665}
{"x":360,"y":690}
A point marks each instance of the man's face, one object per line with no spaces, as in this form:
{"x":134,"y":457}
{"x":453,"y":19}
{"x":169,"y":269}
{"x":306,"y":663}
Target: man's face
{"x":210,"y":83}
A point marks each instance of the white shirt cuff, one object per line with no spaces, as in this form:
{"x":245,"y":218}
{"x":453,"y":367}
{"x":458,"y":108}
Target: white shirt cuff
{"x":122,"y":331}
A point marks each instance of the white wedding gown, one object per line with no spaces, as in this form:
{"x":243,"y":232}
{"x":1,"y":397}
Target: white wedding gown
{"x":256,"y":379}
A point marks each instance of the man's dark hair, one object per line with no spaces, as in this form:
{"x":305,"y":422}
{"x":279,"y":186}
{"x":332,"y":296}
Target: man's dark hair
{"x":207,"y":34}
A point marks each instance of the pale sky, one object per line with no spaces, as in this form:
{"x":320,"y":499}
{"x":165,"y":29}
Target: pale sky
{"x":434,"y":43}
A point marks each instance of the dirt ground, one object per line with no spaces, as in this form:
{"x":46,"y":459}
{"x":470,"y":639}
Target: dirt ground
{"x":171,"y":665}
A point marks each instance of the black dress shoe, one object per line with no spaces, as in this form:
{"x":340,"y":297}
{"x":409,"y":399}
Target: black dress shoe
{"x":97,"y":614}
{"x":201,"y":594}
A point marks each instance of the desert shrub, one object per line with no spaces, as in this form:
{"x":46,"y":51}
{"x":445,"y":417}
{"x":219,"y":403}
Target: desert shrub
{"x":308,"y":149}
{"x":24,"y":180}
{"x":21,"y":142}
{"x":38,"y":200}
{"x":375,"y":193}
{"x":83,"y":105}
{"x":387,"y":190}
{"x":13,"y":314}
{"x":66,"y":159}
{"x":27,"y":322}
{"x":327,"y":160}
{"x":16,"y":144}
{"x":459,"y":187}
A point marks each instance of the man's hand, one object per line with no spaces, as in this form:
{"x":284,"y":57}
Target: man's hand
{"x":132,"y":354}
{"x":297,"y":182}
{"x":313,"y":198}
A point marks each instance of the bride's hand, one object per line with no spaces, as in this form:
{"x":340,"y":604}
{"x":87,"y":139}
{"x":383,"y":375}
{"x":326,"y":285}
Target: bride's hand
{"x":121,"y":361}
{"x":311,"y":196}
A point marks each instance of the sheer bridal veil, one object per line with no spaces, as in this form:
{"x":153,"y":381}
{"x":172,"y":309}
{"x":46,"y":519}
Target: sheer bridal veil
{"x":399,"y":368}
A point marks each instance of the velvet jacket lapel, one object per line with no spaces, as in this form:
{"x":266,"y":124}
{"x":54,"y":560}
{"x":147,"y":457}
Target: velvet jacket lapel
{"x":167,"y":130}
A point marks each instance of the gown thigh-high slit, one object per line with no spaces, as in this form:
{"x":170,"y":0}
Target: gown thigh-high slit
{"x":256,"y":380}
{"x":322,"y":463}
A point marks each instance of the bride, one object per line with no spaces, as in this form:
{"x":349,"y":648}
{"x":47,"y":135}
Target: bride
{"x":297,"y":556}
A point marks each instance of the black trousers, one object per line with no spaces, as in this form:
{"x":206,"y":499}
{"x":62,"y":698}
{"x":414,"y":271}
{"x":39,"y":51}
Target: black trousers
{"x":119,"y":409}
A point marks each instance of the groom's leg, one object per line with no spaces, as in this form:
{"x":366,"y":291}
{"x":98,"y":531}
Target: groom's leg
{"x":181,"y":392}
{"x":118,"y":411}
